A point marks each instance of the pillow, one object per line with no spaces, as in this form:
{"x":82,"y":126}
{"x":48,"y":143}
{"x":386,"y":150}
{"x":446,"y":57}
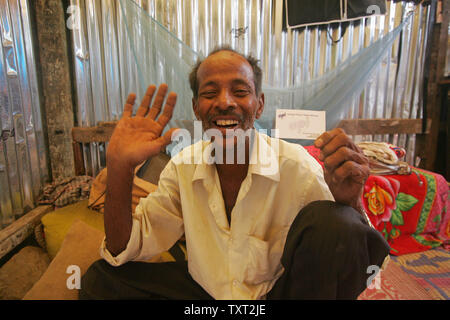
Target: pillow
{"x":57,"y":223}
{"x":79,"y":248}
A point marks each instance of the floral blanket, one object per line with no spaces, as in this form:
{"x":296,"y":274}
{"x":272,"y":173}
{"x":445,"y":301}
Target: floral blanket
{"x":411,"y":211}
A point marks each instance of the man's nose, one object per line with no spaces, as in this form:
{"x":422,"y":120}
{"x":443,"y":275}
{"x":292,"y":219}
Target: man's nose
{"x":225,"y":100}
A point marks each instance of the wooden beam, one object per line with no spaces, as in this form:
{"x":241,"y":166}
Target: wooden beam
{"x":382,"y":126}
{"x":19,"y":230}
{"x":100,"y":133}
{"x":54,"y":73}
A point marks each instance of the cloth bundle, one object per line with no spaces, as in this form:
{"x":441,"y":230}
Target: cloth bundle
{"x":384,"y":158}
{"x":66,"y":191}
{"x":140,"y":189}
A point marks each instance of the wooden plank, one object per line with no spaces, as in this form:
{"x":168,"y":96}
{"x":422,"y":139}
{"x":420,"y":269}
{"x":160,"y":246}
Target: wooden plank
{"x":19,"y":230}
{"x":55,"y":76}
{"x":92,"y":134}
{"x":382,"y":126}
{"x":111,"y":124}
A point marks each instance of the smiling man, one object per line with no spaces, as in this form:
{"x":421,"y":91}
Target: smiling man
{"x":297,"y":232}
{"x":227,"y":91}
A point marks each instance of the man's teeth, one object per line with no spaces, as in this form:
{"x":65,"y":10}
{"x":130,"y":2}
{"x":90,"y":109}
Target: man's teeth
{"x":226,"y":122}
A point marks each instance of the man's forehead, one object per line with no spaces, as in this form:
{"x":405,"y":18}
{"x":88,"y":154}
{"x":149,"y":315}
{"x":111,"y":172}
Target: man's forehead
{"x":225,"y":60}
{"x":226,"y":54}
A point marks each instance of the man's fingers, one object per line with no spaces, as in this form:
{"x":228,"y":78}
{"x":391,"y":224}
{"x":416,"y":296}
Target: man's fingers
{"x":349,"y":169}
{"x":332,"y":141}
{"x":342,"y":155}
{"x":326,"y":137}
{"x":128,"y":108}
{"x":166,"y":139}
{"x":157,"y":104}
{"x":338,"y":141}
{"x":168,"y":135}
{"x":165,"y":117}
{"x":143,"y":108}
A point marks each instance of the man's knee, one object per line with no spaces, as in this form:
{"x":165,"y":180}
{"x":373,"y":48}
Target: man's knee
{"x":331,"y":218}
{"x":324,"y":225}
{"x":93,"y":280}
{"x":326,"y":210}
{"x":327,"y":251}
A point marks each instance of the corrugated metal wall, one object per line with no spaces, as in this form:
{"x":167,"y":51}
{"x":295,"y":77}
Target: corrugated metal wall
{"x":23,"y":159}
{"x":104,"y":63}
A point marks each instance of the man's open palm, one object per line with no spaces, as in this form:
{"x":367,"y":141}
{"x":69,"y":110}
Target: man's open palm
{"x":135,"y":139}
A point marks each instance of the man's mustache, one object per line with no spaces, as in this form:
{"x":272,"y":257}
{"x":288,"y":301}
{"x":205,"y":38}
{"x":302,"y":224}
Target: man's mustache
{"x":224,"y":113}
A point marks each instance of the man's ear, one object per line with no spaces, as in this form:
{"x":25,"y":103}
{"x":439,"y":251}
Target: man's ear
{"x":260,"y":109}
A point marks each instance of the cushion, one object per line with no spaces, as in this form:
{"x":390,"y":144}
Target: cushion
{"x":21,"y":272}
{"x":79,"y":248}
{"x":57,"y":223}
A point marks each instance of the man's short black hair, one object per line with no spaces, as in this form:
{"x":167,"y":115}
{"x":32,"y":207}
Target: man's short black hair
{"x":257,"y":72}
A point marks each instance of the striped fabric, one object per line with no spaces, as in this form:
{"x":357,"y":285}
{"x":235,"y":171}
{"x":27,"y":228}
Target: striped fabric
{"x":430,"y":269}
{"x":67,"y":191}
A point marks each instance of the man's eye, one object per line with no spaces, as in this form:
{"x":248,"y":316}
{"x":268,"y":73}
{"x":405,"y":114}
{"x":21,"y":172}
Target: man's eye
{"x":241,"y":93}
{"x":208,"y":94}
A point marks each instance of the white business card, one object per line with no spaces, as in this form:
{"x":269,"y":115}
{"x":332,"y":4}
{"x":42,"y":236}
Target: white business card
{"x":300,"y":124}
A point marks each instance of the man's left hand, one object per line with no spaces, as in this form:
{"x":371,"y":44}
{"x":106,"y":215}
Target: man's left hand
{"x":346,"y":168}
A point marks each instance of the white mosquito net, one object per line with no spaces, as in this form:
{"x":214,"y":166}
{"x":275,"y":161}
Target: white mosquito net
{"x":161,"y":57}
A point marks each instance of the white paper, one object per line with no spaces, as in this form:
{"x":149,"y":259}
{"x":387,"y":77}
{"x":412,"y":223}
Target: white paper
{"x":300,"y":124}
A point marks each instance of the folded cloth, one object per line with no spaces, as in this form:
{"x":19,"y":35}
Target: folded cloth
{"x":379,"y":151}
{"x":66,"y":191}
{"x":384,"y":158}
{"x":140,"y":189}
{"x":145,"y":181}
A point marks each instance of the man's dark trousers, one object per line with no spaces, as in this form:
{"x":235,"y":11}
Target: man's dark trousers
{"x":327,"y":253}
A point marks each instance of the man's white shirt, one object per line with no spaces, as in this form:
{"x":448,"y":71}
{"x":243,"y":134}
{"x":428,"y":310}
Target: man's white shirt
{"x":237,"y":261}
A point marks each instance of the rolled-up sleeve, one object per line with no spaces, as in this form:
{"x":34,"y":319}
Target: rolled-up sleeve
{"x":157,"y":222}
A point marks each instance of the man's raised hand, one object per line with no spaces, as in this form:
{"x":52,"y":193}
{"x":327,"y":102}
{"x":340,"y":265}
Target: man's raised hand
{"x":135,"y":139}
{"x":346,"y":168}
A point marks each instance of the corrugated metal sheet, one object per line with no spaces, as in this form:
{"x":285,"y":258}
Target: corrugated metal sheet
{"x":105,"y":66}
{"x":23,"y":159}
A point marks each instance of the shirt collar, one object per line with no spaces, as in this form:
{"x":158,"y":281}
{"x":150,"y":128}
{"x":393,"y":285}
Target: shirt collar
{"x":203,"y":169}
{"x":263,"y":158}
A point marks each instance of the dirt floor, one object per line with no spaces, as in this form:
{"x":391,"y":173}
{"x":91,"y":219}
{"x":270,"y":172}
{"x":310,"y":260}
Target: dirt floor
{"x":22,"y":271}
